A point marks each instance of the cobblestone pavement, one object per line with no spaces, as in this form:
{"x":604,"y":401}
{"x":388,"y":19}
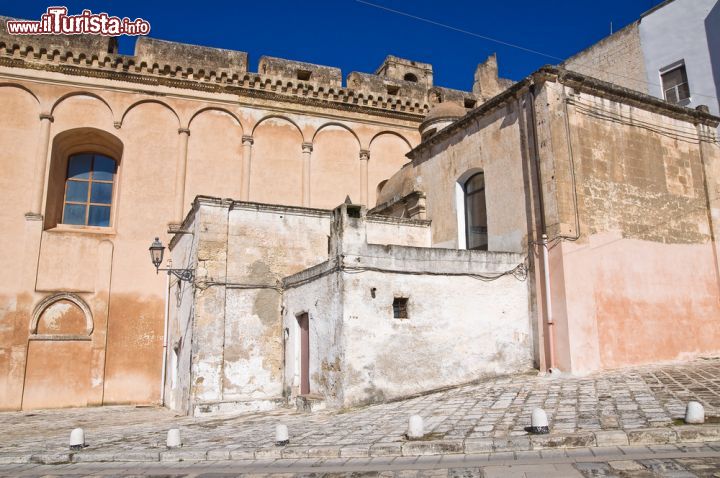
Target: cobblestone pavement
{"x":487,"y":414}
{"x":693,"y":460}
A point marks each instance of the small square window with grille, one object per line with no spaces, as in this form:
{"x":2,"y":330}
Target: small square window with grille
{"x":400,"y":308}
{"x":675,"y":85}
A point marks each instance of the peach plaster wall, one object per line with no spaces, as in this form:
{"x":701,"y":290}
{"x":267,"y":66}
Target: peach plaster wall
{"x":620,"y":302}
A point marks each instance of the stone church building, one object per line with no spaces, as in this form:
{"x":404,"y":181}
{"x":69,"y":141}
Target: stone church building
{"x":349,"y":240}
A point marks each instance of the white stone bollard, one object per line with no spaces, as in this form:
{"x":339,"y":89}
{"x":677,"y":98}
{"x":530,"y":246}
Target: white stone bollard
{"x":415,"y":428}
{"x":282,"y":437}
{"x":77,"y":439}
{"x":173,"y":438}
{"x":539,"y":422}
{"x":694,"y":413}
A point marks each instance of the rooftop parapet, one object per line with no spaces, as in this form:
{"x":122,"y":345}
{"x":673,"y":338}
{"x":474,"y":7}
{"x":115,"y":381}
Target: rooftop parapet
{"x":165,"y":55}
{"x":300,"y":71}
{"x":385,"y":88}
{"x":408,"y":70}
{"x":487,"y":82}
{"x":190,"y":66}
{"x":53,"y":45}
{"x":438,"y":94}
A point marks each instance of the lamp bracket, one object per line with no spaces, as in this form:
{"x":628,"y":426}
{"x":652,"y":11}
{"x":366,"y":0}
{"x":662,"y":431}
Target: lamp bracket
{"x":182,"y":274}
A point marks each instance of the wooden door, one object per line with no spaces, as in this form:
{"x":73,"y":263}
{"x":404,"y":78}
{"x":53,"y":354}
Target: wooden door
{"x":304,"y":322}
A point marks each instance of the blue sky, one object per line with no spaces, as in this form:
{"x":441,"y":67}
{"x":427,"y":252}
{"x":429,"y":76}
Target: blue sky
{"x":356,"y":37}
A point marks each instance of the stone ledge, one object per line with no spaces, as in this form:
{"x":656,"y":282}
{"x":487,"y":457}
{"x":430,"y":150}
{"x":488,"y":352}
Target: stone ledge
{"x":15,"y":459}
{"x":605,"y":438}
{"x":51,"y":458}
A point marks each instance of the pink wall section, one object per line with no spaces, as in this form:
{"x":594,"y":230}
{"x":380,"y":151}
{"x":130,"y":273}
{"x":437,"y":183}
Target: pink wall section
{"x":620,"y":302}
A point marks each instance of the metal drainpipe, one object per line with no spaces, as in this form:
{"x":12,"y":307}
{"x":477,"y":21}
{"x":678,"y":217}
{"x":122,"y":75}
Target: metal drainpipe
{"x":550,"y":336}
{"x":165,"y":340}
{"x":548,"y":302}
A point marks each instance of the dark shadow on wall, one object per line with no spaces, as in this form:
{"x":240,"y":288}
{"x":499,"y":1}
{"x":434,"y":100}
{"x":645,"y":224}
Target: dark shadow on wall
{"x":712,"y":31}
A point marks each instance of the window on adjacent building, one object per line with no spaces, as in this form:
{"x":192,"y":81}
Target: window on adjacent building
{"x":675,"y":84}
{"x":476,"y":232}
{"x":89,"y":190}
{"x":400,"y":308}
{"x":410,"y":77}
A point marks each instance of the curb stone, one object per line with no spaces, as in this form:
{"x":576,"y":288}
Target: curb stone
{"x":51,"y":458}
{"x":355,"y":451}
{"x":605,"y":438}
{"x":439,"y":447}
{"x":575,"y":440}
{"x":183,"y":455}
{"x":611,"y":438}
{"x":12,"y":459}
{"x":145,"y":455}
{"x":324,"y":452}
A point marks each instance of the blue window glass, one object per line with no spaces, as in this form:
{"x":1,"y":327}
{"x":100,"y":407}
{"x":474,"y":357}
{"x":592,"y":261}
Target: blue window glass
{"x":101,"y":193}
{"x":80,"y":166}
{"x":99,"y":216}
{"x":74,"y":214}
{"x":89,"y":190}
{"x":76,"y":191}
{"x":103,"y":168}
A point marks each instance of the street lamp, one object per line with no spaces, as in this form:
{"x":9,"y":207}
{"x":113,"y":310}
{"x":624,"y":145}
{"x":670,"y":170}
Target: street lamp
{"x":157,"y":250}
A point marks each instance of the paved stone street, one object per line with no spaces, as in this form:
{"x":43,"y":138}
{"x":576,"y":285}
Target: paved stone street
{"x":634,"y":406}
{"x":696,"y":460}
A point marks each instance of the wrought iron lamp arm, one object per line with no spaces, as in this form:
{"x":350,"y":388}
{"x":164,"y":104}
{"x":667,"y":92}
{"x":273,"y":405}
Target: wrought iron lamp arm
{"x":182,"y":274}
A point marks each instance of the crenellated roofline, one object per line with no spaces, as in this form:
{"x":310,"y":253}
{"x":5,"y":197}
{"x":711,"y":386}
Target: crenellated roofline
{"x":160,"y":62}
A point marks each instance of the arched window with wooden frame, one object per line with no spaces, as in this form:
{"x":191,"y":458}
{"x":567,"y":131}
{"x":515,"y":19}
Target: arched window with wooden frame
{"x":83,"y":181}
{"x":476,"y":231}
{"x":89,"y":185}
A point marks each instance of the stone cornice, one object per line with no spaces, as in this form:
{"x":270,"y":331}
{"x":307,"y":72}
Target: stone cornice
{"x":581,"y":83}
{"x":249,"y":85}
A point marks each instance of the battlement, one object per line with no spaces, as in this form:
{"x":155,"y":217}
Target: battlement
{"x":300,"y":71}
{"x":87,"y":45}
{"x":398,"y":85}
{"x":408,"y":70}
{"x":164,"y":55}
{"x":382,"y":87}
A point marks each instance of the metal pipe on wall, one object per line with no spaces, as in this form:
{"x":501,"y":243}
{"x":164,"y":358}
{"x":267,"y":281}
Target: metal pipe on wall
{"x":165,"y":340}
{"x":548,"y":301}
{"x":550,"y":336}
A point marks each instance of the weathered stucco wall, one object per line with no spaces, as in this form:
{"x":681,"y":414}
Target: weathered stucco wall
{"x":322,"y":300}
{"x":626,"y":187}
{"x":493,"y":145}
{"x":393,"y":230}
{"x":640,"y":284}
{"x":179,"y":338}
{"x":241,"y":252}
{"x":234,"y":318}
{"x":174,"y":136}
{"x":616,"y":59}
{"x":470,"y":330}
{"x":467,"y":317}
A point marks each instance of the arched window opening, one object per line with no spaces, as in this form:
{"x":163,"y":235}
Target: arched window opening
{"x":83,"y":179}
{"x":89,"y":188}
{"x":410,"y":77}
{"x":476,"y":232}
